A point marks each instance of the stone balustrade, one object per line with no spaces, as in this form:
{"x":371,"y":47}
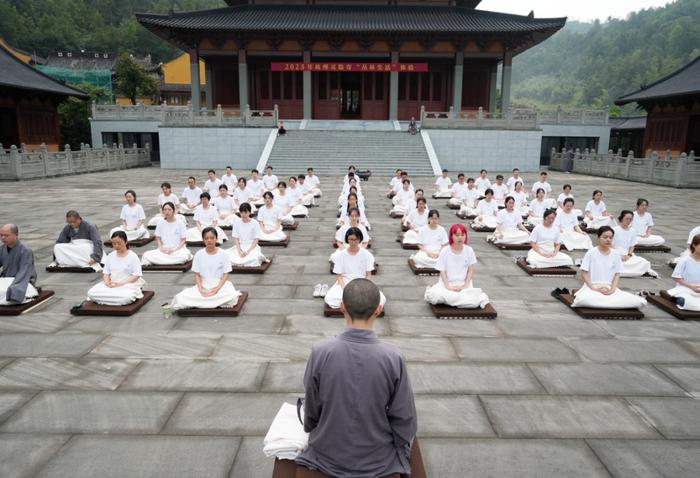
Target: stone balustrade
{"x":20,"y":163}
{"x":682,"y":171}
{"x":187,"y":116}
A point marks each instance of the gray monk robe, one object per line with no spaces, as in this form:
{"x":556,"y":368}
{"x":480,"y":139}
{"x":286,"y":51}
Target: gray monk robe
{"x":17,"y":262}
{"x":359,"y":408}
{"x":87,"y":230}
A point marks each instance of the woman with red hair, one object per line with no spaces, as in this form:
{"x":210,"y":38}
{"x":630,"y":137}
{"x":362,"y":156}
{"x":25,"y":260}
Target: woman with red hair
{"x":456,"y":266}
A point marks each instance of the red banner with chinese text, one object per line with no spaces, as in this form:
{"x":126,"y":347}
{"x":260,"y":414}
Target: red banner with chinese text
{"x":351,"y":67}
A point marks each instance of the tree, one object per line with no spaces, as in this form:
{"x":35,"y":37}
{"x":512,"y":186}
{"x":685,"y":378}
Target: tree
{"x":132,"y":80}
{"x":74,"y":114}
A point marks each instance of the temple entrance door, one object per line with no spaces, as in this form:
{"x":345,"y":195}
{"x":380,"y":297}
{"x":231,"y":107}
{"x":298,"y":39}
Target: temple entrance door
{"x":8,"y":128}
{"x":351,"y":95}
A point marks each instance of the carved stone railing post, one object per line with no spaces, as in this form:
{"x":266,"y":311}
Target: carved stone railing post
{"x":122,"y":157}
{"x":276,"y":110}
{"x":480,"y":117}
{"x":422,"y":114}
{"x":142,"y":110}
{"x":15,"y":164}
{"x":43,"y":152}
{"x":681,"y":169}
{"x":691,"y":155}
{"x":558,"y":114}
{"x":69,"y":157}
{"x":190,"y":112}
{"x":650,"y":166}
{"x":219,"y":115}
{"x":628,"y":163}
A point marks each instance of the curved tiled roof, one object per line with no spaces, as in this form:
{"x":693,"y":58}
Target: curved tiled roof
{"x":14,"y":73}
{"x":683,"y":82}
{"x":360,"y":19}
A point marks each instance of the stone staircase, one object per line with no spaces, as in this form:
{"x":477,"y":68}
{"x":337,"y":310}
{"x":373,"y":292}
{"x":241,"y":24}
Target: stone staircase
{"x":331,"y":152}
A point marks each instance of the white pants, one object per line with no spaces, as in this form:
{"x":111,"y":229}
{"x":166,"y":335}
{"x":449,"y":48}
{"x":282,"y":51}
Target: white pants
{"x":73,"y":254}
{"x":620,"y":299}
{"x":276,"y":236}
{"x":511,"y":236}
{"x":577,"y":212}
{"x":195,"y":235}
{"x":635,"y":266}
{"x":299,"y":210}
{"x":287,"y":220}
{"x":133,"y":234}
{"x":316,"y":192}
{"x":153,"y":222}
{"x":534,"y":220}
{"x":308,"y":200}
{"x":675,"y":260}
{"x":190,"y":298}
{"x":575,"y":240}
{"x":229,"y":220}
{"x":159,"y":258}
{"x":334,"y":296}
{"x":185,"y":209}
{"x":122,"y":295}
{"x":399,"y":209}
{"x":692,"y":299}
{"x":538,"y":261}
{"x":6,"y":282}
{"x":470,"y":298}
{"x":455,"y":202}
{"x":253,"y":259}
{"x":443,"y":194}
{"x":468,"y":211}
{"x":485,"y":221}
{"x":423,"y":260}
{"x":598,"y":222}
{"x":410,"y":237}
{"x":651,"y":240}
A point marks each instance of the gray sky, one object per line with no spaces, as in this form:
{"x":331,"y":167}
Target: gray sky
{"x":574,"y":9}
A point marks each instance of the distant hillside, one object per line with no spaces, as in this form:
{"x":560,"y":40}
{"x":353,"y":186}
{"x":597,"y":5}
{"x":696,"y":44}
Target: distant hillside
{"x":591,"y":67}
{"x":101,"y":25}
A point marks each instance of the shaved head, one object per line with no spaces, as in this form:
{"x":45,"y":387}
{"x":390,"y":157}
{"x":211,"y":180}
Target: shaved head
{"x":8,"y":234}
{"x":360,"y":299}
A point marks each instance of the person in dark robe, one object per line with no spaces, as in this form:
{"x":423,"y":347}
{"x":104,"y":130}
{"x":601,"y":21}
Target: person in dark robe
{"x":281,"y":130}
{"x":16,"y":263}
{"x":79,"y":243}
{"x":412,"y":126}
{"x":358,"y":409}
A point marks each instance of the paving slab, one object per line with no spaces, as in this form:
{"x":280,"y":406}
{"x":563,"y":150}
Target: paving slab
{"x":284,"y":377}
{"x":687,"y":376}
{"x":232,"y":325}
{"x":665,"y":328}
{"x":225,"y":413}
{"x":550,"y":328}
{"x":24,"y":455}
{"x":326,"y":326}
{"x":155,"y":346}
{"x":452,"y":416}
{"x":93,"y":412}
{"x":144,"y":457}
{"x":193,"y":375}
{"x":42,"y":323}
{"x":496,"y":458}
{"x":564,"y":417}
{"x":47,"y":345}
{"x":266,"y":347}
{"x":462,"y":378}
{"x":10,"y":402}
{"x":424,"y":348}
{"x":649,"y":458}
{"x":57,"y":373}
{"x":250,"y":459}
{"x":604,"y":379}
{"x":514,"y":350}
{"x":673,"y":417}
{"x":642,"y":351}
{"x":430,"y":326}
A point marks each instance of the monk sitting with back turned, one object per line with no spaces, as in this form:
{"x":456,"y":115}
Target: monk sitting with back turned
{"x":17,"y":271}
{"x":359,"y":408}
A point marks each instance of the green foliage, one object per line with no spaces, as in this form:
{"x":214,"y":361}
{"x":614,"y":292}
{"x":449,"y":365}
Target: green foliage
{"x":74,"y":114}
{"x":592,"y":64}
{"x":132,"y":81}
{"x":45,"y":26}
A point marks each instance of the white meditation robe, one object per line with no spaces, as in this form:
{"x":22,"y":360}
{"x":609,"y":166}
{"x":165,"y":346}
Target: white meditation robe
{"x":687,"y":269}
{"x":210,"y":267}
{"x":190,"y":199}
{"x":403,"y":202}
{"x":635,"y":266}
{"x":458,"y":193}
{"x":226,"y":207}
{"x":296,"y":197}
{"x":77,"y":247}
{"x":119,"y":268}
{"x":546,"y":238}
{"x":500,"y":191}
{"x":171,"y":235}
{"x":602,"y":270}
{"x":231,"y":182}
{"x":284,"y":203}
{"x":212,"y":186}
{"x":351,"y":267}
{"x":443,"y":187}
{"x":246,"y":233}
{"x":486,"y":214}
{"x":482,"y":184}
{"x":470,"y":202}
{"x":433,"y":240}
{"x":456,"y":266}
{"x":315,"y":186}
{"x":508,"y":222}
{"x":641,"y":224}
{"x":269,"y":218}
{"x":542,"y":185}
{"x":417,"y":221}
{"x":205,"y":218}
{"x":572,"y":239}
{"x":340,"y":237}
{"x":537,"y":209}
{"x":132,"y":215}
{"x":596,"y":211}
{"x":162,"y":199}
{"x":270,"y":181}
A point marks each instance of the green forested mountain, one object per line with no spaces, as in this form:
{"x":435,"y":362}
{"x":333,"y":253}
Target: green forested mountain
{"x":590,"y":65}
{"x":101,"y":25}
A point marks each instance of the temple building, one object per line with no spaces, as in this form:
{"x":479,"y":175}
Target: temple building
{"x":370,"y":60}
{"x":673,"y":111}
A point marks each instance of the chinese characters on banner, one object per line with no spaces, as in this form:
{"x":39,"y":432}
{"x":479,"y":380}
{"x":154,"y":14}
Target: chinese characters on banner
{"x":351,"y":67}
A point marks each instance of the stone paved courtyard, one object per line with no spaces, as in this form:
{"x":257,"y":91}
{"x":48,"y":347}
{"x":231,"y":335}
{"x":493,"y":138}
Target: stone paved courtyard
{"x":538,"y":392}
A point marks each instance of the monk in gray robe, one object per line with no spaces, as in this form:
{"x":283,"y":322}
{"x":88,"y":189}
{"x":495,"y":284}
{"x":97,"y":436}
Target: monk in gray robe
{"x":358,"y":409}
{"x":16,"y":262}
{"x":79,"y":243}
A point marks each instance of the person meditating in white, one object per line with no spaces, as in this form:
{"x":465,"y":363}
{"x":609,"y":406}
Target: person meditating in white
{"x":225,"y":206}
{"x":443,"y":186}
{"x":242,"y":194}
{"x":205,"y":215}
{"x":543,"y":184}
{"x":245,"y":251}
{"x":509,"y":225}
{"x":190,"y":196}
{"x":564,"y":196}
{"x":642,"y":224}
{"x":545,"y":244}
{"x":687,"y":277}
{"x":211,"y":267}
{"x":166,"y":196}
{"x":353,"y":262}
{"x":353,"y":221}
{"x":482,"y":182}
{"x":457,"y":191}
{"x":270,"y":181}
{"x":171,"y":235}
{"x":212,"y":184}
{"x":79,"y":244}
{"x":256,"y":188}
{"x":600,"y":271}
{"x":133,"y":218}
{"x":431,"y":239}
{"x":122,"y":277}
{"x":470,"y":199}
{"x":486,"y":212}
{"x":537,"y":208}
{"x":314,"y":182}
{"x":270,"y":219}
{"x":571,"y":233}
{"x":456,"y":265}
{"x":596,"y":214}
{"x":415,"y":220}
{"x":624,"y":242}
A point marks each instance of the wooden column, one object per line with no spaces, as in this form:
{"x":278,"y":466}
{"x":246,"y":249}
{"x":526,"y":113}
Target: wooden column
{"x":457,"y":81}
{"x":242,"y":79}
{"x":493,"y":86}
{"x":306,"y":76}
{"x":505,"y":80}
{"x":194,"y":79}
{"x":209,"y":86}
{"x":394,"y":88}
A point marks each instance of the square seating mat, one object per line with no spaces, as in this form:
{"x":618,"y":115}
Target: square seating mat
{"x":545,"y":271}
{"x":252,"y":270}
{"x":284,"y":243}
{"x":217,"y":312}
{"x":665,"y":302}
{"x":291,"y":227}
{"x":79,"y":270}
{"x":422,"y":271}
{"x":596,"y":313}
{"x":446,"y":311}
{"x":168,"y":268}
{"x":652,"y":249}
{"x":18,"y":309}
{"x":92,"y":308}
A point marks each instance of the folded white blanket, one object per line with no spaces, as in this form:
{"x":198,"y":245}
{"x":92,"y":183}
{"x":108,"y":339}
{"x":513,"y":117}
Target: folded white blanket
{"x":286,"y":437}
